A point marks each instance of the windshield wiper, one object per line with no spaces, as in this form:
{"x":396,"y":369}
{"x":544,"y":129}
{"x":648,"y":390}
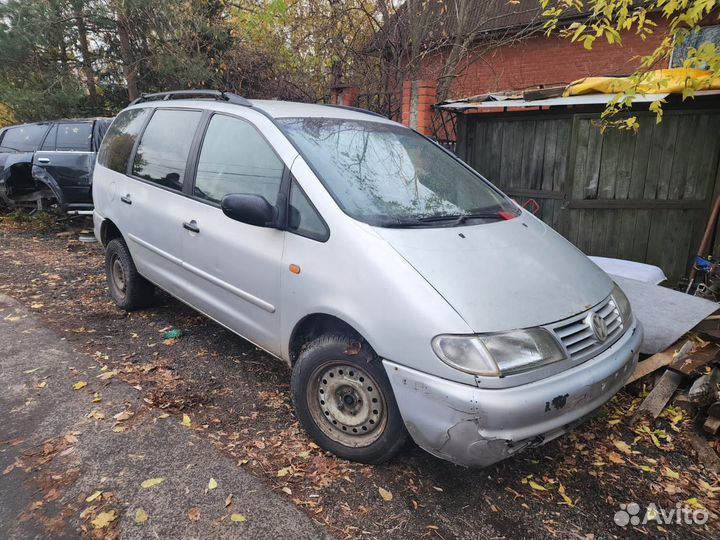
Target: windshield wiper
{"x":459,"y":219}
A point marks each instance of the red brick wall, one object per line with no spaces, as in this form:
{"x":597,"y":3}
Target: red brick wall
{"x":545,"y":61}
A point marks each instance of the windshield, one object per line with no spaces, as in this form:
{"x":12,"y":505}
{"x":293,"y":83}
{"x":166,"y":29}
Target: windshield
{"x":389,"y":175}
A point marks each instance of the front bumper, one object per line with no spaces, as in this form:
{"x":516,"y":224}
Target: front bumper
{"x":473,"y":426}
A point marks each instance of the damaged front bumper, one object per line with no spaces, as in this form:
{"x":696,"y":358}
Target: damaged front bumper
{"x":476,"y":427}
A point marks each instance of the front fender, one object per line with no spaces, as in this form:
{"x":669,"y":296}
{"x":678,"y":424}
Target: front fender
{"x":40,"y":174}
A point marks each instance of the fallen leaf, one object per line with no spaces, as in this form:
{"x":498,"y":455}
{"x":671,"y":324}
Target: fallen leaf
{"x":385,"y":494}
{"x":33,"y":370}
{"x":40,"y":385}
{"x":228,"y":500}
{"x":533,"y":484}
{"x":212,"y":484}
{"x":667,"y":471}
{"x":194,"y":514}
{"x":163,"y":415}
{"x":622,"y":446}
{"x":118,"y":429}
{"x":122,"y":416}
{"x":106,"y":376}
{"x":36,"y":306}
{"x":104,"y":519}
{"x":286,"y":490}
{"x":568,"y":500}
{"x":97,"y":415}
{"x":152,"y":482}
{"x":79,"y":385}
{"x":284,"y":471}
{"x":140,"y":516}
{"x":237,"y":518}
{"x":616,"y":458}
{"x":186,"y":420}
{"x":94,"y":496}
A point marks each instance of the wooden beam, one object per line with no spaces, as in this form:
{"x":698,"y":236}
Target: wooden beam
{"x":660,"y":395}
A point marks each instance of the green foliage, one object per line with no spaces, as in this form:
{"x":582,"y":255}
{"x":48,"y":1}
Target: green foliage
{"x":611,"y":19}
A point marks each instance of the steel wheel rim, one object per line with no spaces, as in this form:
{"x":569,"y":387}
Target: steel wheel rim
{"x":347,"y":404}
{"x":117,"y":275}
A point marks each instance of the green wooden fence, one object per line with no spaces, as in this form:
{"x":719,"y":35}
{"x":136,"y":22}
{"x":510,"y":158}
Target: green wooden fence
{"x":641,"y":196}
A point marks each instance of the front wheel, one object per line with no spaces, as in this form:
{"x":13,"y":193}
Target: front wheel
{"x":344,"y":400}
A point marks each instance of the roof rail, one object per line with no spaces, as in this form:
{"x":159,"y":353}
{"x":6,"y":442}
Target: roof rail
{"x":356,"y":109}
{"x":190,"y":94}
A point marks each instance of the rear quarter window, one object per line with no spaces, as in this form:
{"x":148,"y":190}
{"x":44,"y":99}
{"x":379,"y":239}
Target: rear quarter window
{"x":120,"y":139}
{"x":23,"y":138}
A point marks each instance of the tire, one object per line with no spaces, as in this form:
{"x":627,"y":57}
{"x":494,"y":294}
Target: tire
{"x":362,"y":421}
{"x":128,"y":288}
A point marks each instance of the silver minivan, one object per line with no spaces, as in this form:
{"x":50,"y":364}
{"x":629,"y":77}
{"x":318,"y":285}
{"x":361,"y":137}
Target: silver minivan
{"x":409,"y":295}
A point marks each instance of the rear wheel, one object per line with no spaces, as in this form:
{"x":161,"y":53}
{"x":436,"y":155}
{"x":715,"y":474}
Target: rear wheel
{"x":127,"y":287}
{"x":345,"y":402}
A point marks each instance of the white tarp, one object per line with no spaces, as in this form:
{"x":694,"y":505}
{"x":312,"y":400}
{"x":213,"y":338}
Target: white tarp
{"x":666,"y":315}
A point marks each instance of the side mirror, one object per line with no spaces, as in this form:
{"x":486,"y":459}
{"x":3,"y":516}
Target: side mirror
{"x":250,"y":209}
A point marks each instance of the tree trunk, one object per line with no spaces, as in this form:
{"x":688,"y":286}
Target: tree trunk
{"x":85,"y":51}
{"x":126,"y":55}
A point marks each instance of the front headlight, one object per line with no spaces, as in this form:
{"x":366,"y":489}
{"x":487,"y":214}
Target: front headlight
{"x":622,"y":303}
{"x":501,"y":354}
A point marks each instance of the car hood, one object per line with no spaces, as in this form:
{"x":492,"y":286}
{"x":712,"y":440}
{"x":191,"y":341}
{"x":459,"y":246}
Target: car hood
{"x":503,"y":275}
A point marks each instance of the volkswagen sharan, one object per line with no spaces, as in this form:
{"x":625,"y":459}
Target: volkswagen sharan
{"x":409,"y":296}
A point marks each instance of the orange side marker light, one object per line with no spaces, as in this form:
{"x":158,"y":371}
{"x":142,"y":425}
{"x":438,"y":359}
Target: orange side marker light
{"x":294,"y":268}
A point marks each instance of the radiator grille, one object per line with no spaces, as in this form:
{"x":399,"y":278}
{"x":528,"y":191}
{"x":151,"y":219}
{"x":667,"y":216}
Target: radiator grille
{"x":576,"y":333}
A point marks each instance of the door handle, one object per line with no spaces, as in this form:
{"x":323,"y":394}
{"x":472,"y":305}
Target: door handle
{"x":44,"y":160}
{"x":192,"y":226}
{"x":126,"y":199}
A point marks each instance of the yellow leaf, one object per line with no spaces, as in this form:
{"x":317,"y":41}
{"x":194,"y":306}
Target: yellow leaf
{"x":693,"y":501}
{"x":140,"y":516}
{"x":94,"y":496}
{"x":616,"y":458}
{"x":152,"y":482}
{"x":568,"y":500}
{"x":186,"y":420}
{"x":286,"y":490}
{"x":42,"y":384}
{"x":79,"y":385}
{"x":667,"y":471}
{"x":313,"y":446}
{"x":385,"y":494}
{"x":212,"y":484}
{"x":163,"y":415}
{"x":536,"y":486}
{"x":104,"y":519}
{"x":284,"y":471}
{"x":646,"y":468}
{"x":237,"y":518}
{"x":118,"y":429}
{"x":622,"y":446}
{"x":36,"y":305}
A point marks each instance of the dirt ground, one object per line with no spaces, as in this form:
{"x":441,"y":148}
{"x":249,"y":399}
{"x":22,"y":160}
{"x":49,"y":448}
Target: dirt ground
{"x":237,"y":396}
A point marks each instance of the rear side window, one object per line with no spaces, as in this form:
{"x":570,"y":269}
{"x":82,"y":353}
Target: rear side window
{"x":23,"y":138}
{"x":164,"y":147}
{"x":74,"y":137}
{"x":235,"y":158}
{"x":120,"y":139}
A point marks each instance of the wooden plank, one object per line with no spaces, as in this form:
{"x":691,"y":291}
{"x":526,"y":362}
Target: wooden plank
{"x":581,"y":136}
{"x":607,"y":169}
{"x":649,"y":365}
{"x":626,"y":155}
{"x":638,"y":204}
{"x":640,"y":158}
{"x":695,"y":360}
{"x":685,"y":143}
{"x":659,"y":396}
{"x":669,"y":134}
{"x":591,"y":179}
{"x":706,"y":455}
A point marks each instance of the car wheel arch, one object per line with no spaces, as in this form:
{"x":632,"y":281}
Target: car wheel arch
{"x":317,"y":324}
{"x":109,"y":231}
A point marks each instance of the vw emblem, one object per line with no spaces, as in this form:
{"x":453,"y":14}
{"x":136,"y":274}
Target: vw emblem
{"x":598,"y":326}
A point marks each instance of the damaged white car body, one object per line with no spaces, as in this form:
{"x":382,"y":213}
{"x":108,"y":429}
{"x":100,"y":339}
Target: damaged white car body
{"x":409,"y":295}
